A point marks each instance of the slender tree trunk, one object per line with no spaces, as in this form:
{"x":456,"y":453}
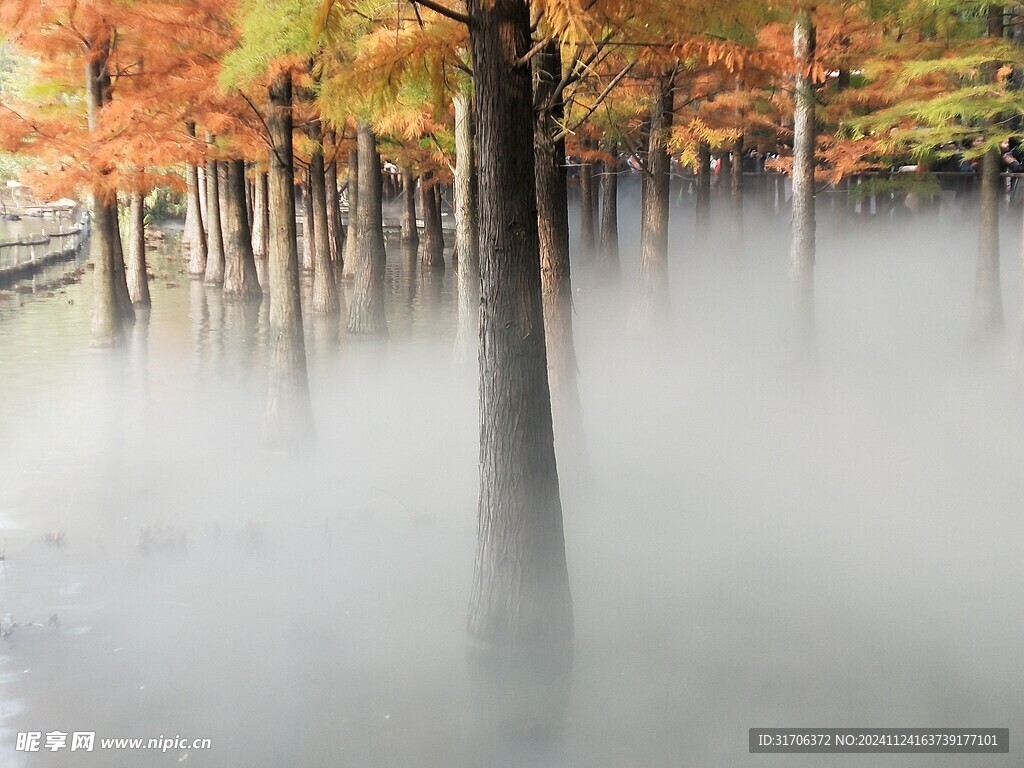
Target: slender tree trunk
{"x":703,"y":217}
{"x":105,"y":325}
{"x":352,"y":234}
{"x":520,"y":616}
{"x":801,"y":259}
{"x":608,"y":266}
{"x":410,"y":232}
{"x":240,"y":279}
{"x":466,"y":241}
{"x":260,"y":226}
{"x":553,"y":232}
{"x":250,"y":201}
{"x":204,"y":211}
{"x":308,"y":235}
{"x":366,"y":314}
{"x":736,"y":194}
{"x":334,"y":230}
{"x":124,"y":300}
{"x":325,"y":284}
{"x":588,"y":205}
{"x":289,"y":419}
{"x":433,"y":238}
{"x":987,"y":314}
{"x":138,"y":280}
{"x":652,"y":298}
{"x":195,"y":234}
{"x":214,"y":223}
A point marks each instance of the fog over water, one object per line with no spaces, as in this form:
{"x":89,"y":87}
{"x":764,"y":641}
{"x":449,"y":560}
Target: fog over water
{"x":750,"y":547}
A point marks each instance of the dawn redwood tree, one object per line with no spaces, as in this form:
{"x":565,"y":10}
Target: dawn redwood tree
{"x":410,"y":232}
{"x":801,"y":258}
{"x":652,"y":298}
{"x":195,"y":229}
{"x":325,"y":287}
{"x":289,"y":417}
{"x":608,"y":268}
{"x":467,"y":244}
{"x":366,"y":311}
{"x":137,"y":272}
{"x":588,"y":206}
{"x":433,"y":237}
{"x":348,"y":271}
{"x":214,"y":225}
{"x":520,"y":614}
{"x":240,"y":279}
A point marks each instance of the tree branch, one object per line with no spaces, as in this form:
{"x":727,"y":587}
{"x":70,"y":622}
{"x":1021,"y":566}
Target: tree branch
{"x":443,"y":10}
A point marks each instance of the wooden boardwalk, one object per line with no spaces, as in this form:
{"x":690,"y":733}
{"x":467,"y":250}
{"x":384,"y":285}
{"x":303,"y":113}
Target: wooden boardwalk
{"x":29,"y":254}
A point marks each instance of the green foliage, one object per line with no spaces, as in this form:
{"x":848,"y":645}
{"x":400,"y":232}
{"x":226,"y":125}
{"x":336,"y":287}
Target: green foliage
{"x":164,"y":203}
{"x":270,"y":29}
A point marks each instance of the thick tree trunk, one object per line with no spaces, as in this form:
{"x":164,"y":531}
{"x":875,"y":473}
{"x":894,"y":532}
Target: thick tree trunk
{"x":261,"y":229}
{"x":366,"y":314}
{"x":195,"y":229}
{"x":410,"y":231}
{"x":801,"y":259}
{"x":124,"y":299}
{"x":105,"y":324}
{"x":652,"y":297}
{"x":288,"y":419}
{"x":520,"y":616}
{"x":214,"y":226}
{"x":466,"y":240}
{"x":240,"y":278}
{"x":138,"y":279}
{"x":553,"y":232}
{"x":325,"y":285}
{"x":433,"y":238}
{"x":608,"y":267}
{"x":348,"y":271}
{"x":334,"y":230}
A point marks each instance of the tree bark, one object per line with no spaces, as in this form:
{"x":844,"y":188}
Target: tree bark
{"x":736,"y":194}
{"x":348,"y":271}
{"x":334,"y":230}
{"x":125,"y":310}
{"x":410,"y":231}
{"x":261,"y":229}
{"x":308,"y":235}
{"x":651,"y":310}
{"x":553,"y":232}
{"x":214,"y":225}
{"x":138,"y":280}
{"x":987,"y":314}
{"x":466,"y":241}
{"x":195,"y":230}
{"x":433,"y":238}
{"x":288,"y":420}
{"x":240,"y":279}
{"x":520,"y":617}
{"x":703,"y":215}
{"x":366,"y":314}
{"x":608,"y":266}
{"x":105,"y":325}
{"x":325,"y":285}
{"x":802,"y":253}
{"x":588,"y":205}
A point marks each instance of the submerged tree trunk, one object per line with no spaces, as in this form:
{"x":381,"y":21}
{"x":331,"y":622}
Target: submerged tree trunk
{"x":553,"y":234}
{"x":466,"y":242}
{"x":703,"y":203}
{"x":195,"y":232}
{"x":410,"y":232}
{"x":520,"y":615}
{"x":214,"y":223}
{"x":801,"y":259}
{"x":334,"y":230}
{"x":105,"y":324}
{"x":124,"y":300}
{"x":652,"y":297}
{"x":348,"y":271}
{"x":138,"y":279}
{"x":240,"y":280}
{"x":288,"y":419}
{"x":588,"y":206}
{"x":987,"y":314}
{"x":608,"y":267}
{"x":325,"y":285}
{"x":433,"y":238}
{"x":366,"y":314}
